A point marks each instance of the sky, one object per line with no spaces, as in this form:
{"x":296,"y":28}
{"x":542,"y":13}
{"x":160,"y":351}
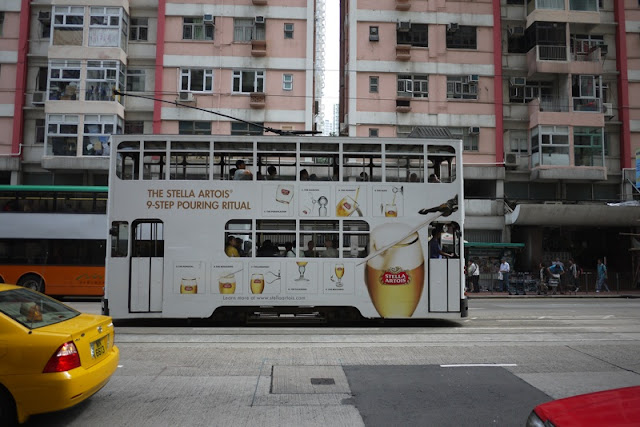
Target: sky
{"x":331,"y":57}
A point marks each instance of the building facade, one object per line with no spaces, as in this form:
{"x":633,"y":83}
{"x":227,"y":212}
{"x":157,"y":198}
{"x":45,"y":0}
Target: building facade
{"x":74,"y":73}
{"x":544,"y":95}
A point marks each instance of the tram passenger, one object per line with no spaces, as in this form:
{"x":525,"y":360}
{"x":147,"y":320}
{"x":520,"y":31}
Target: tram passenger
{"x":242,"y":173}
{"x":231,"y":249}
{"x":304,"y":175}
{"x":272,"y":173}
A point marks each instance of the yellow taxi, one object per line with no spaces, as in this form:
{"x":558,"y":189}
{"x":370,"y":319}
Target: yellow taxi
{"x":51,"y":356}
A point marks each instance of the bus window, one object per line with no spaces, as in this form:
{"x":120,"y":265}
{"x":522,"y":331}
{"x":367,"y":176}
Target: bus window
{"x":271,"y":236}
{"x":355,"y":239}
{"x":119,"y":239}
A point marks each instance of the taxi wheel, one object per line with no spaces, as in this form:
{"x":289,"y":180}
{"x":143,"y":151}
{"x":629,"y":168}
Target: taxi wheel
{"x":33,"y":282}
{"x":8,"y":415}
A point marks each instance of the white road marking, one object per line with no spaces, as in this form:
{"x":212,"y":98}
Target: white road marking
{"x":466,"y":365}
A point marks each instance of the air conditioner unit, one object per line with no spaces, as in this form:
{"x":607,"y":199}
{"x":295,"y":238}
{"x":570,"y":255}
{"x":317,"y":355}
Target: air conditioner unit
{"x":44,"y":16}
{"x":404,"y":26}
{"x":259,"y":19}
{"x":208,"y":19}
{"x":518,"y":81}
{"x":511,"y":159}
{"x":373,"y":34}
{"x":453,"y":27}
{"x":516,"y":31}
{"x":473,"y":77}
{"x":38,"y":98}
{"x":474,"y":130}
{"x":185,"y":97}
{"x":607,"y":109}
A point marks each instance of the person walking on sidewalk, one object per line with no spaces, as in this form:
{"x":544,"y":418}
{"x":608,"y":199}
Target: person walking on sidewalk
{"x":475,"y":276}
{"x":602,"y":276}
{"x":503,"y":275}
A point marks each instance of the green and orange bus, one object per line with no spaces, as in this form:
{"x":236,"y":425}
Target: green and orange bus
{"x":53,"y":238}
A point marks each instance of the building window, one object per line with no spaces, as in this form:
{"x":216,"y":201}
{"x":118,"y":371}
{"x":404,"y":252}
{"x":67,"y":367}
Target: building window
{"x":135,"y":80}
{"x":415,"y":86}
{"x":586,"y":92}
{"x":97,"y":129}
{"x":288,"y":31}
{"x":469,"y":137}
{"x":194,"y":128}
{"x":373,"y":84}
{"x":41,"y":79}
{"x":239,"y":128}
{"x":196,"y":29}
{"x":248,"y":81}
{"x":415,"y":35}
{"x":68,"y":25}
{"x":196,"y":80}
{"x":464,"y":37}
{"x":287,"y":81}
{"x":243,"y":29}
{"x":1,"y":23}
{"x":104,"y":27}
{"x":45,"y":24}
{"x":101,"y":80}
{"x":523,"y":91}
{"x":62,"y":135}
{"x":40,"y":131}
{"x":588,"y":146}
{"x":64,"y":80}
{"x":373,"y":132}
{"x":461,"y":87}
{"x":550,"y":145}
{"x":516,"y":42}
{"x":133,"y":127}
{"x":519,"y":142}
{"x":139,"y":29}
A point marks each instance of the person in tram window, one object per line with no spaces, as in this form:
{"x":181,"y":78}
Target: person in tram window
{"x":242,"y":173}
{"x":304,"y":175}
{"x":231,"y":249}
{"x":272,"y":173}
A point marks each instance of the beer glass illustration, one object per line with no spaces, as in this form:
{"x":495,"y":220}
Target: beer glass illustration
{"x":339,"y":269}
{"x":390,"y":210}
{"x":302,"y":266}
{"x":347,"y":205}
{"x":284,"y":193}
{"x":188,"y":286}
{"x":227,"y":284}
{"x":395,"y":277}
{"x":257,"y":283}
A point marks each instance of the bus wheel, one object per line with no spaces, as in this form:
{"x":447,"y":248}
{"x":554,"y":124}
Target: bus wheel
{"x":33,"y":282}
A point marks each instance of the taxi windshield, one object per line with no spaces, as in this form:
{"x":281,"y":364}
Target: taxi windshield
{"x":34,"y":310}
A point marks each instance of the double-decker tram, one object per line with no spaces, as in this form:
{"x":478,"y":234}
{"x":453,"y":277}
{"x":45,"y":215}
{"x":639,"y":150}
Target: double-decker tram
{"x":53,"y":238}
{"x":285,"y":227}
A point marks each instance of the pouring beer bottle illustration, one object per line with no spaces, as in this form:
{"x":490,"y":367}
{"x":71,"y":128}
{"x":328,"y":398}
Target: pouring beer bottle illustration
{"x":395,"y":277}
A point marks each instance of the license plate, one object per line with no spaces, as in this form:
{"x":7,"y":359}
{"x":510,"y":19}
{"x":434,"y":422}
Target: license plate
{"x":98,"y":349}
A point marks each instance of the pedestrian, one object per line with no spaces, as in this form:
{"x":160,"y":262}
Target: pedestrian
{"x":602,"y":276}
{"x":503,"y":275}
{"x":572,"y":277}
{"x":556,"y":271}
{"x":542,"y":284}
{"x":474,"y":275}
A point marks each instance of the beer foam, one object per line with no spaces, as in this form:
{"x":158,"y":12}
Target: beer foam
{"x":406,"y":254}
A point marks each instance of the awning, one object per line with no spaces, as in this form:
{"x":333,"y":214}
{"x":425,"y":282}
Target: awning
{"x":577,"y":215}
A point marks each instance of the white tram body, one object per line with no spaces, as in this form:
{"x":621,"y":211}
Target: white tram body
{"x":178,"y":218}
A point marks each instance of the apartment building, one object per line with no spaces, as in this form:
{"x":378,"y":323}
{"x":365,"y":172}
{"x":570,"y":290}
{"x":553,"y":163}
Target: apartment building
{"x":544,"y":95}
{"x":65,"y":64}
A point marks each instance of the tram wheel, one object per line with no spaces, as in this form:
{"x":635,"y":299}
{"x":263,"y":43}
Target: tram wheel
{"x":33,"y":282}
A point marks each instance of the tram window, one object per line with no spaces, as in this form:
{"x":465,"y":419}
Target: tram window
{"x":441,"y":162}
{"x":319,"y":232}
{"x":362,"y":168}
{"x":189,"y":165}
{"x":402,"y":168}
{"x":119,"y":238}
{"x":238,"y":244}
{"x":355,"y":239}
{"x":127,"y":166}
{"x":153,"y":165}
{"x":148,"y":239}
{"x":225,"y":165}
{"x":272,"y":235}
{"x":449,"y":240}
{"x":277,"y":167}
{"x":320,"y":166}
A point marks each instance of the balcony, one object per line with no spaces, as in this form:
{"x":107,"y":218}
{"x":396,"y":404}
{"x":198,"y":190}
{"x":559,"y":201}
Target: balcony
{"x":554,"y":60}
{"x":562,"y":111}
{"x":578,"y":11}
{"x":403,"y":52}
{"x":403,"y":105}
{"x":593,"y":105}
{"x":583,"y":5}
{"x":257,"y":100}
{"x":403,"y":5}
{"x":258,"y":47}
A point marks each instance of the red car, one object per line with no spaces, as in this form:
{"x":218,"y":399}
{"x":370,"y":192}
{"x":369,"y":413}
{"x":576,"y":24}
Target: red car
{"x":617,"y":407}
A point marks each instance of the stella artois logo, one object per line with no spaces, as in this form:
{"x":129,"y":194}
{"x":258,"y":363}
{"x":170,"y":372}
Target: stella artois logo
{"x":346,"y":205}
{"x":395,"y":276}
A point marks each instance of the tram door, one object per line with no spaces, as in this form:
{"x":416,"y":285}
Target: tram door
{"x":147,"y":266}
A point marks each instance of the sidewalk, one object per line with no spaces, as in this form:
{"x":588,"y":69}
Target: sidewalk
{"x":635,"y":293}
